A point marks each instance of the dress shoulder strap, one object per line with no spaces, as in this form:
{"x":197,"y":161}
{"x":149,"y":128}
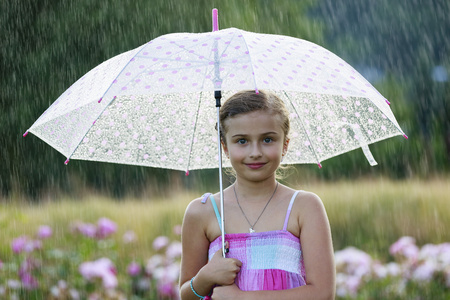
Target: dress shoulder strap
{"x":216,"y":210}
{"x":288,"y":213}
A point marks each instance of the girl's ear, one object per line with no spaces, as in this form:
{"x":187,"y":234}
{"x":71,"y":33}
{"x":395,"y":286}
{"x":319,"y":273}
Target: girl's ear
{"x":285,"y":146}
{"x":224,"y":147}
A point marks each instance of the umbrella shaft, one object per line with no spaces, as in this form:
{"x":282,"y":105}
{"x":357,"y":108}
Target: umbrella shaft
{"x":220,"y":178}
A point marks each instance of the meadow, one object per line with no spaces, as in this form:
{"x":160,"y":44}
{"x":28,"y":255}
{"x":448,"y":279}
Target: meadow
{"x":369,"y":215}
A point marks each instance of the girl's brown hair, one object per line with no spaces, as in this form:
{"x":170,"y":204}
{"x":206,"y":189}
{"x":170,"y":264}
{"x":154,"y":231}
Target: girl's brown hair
{"x":248,"y":101}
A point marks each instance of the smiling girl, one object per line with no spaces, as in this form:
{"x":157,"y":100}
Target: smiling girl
{"x":278,"y":238}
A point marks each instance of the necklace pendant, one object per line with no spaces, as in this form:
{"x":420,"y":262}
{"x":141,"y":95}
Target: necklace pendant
{"x":251,"y":230}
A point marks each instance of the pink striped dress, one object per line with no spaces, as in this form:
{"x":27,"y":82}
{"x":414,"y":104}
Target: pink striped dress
{"x":271,"y":260}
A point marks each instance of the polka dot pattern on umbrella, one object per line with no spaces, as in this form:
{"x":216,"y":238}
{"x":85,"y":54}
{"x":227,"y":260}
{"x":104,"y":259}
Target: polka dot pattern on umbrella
{"x":155,"y":106}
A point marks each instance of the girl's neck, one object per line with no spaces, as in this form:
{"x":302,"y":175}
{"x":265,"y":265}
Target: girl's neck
{"x":255,"y":191}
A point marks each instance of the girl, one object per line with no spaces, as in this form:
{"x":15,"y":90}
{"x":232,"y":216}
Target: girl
{"x":279,"y":239}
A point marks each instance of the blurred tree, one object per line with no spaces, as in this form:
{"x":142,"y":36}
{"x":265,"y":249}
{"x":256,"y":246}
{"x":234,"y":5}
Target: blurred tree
{"x":407,"y":38}
{"x":46,"y":45}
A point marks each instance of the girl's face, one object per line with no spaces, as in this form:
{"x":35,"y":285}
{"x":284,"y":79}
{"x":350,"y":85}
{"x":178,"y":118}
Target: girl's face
{"x":255,"y":143}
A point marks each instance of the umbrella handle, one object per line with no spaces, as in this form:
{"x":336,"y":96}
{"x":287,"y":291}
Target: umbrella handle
{"x":215,"y":19}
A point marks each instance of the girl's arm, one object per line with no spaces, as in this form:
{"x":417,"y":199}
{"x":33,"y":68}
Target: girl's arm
{"x":318,"y":258}
{"x":194,"y":262}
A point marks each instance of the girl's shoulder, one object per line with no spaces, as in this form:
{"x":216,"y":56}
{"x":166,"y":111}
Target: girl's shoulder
{"x":307,"y":196}
{"x":308,"y":205}
{"x":306,"y":202}
{"x":201,"y":208}
{"x":303,"y":197}
{"x":200,"y":217}
{"x":196,"y":206}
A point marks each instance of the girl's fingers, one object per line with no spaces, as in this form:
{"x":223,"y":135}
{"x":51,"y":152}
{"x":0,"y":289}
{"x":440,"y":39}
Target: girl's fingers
{"x":237,"y":262}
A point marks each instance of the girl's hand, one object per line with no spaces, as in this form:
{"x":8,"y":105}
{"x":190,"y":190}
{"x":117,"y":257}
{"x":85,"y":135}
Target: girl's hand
{"x":222,"y":271}
{"x":226,"y":292}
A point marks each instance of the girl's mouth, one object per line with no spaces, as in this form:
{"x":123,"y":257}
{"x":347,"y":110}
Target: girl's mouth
{"x":255,"y":165}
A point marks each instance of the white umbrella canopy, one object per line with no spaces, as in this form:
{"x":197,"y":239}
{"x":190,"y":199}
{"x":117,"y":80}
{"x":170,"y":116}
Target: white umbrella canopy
{"x":154,"y":105}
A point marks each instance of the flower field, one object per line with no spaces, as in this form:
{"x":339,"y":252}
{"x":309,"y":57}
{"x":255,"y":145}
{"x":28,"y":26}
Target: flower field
{"x":391,"y":242}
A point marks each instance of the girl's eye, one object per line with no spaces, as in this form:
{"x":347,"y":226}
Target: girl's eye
{"x":268,"y":140}
{"x":241,"y":141}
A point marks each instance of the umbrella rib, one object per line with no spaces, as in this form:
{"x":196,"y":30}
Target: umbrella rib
{"x":184,"y":49}
{"x":140,"y":56}
{"x":202,"y":64}
{"x":89,"y":129}
{"x":106,"y":106}
{"x":251,"y":61}
{"x":304,"y":129}
{"x":193,"y":132}
{"x":195,"y":126}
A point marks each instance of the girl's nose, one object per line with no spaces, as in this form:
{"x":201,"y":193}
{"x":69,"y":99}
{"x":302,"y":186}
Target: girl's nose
{"x":255,"y":150}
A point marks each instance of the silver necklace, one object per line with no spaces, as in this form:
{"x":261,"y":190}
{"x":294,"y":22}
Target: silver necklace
{"x":237,"y":200}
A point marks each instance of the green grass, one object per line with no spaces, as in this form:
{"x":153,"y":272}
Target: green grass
{"x":148,"y":219}
{"x":372,"y":214}
{"x":367,"y":214}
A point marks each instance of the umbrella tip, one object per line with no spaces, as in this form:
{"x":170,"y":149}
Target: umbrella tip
{"x":187,"y":173}
{"x":405,"y":136}
{"x":100,"y":100}
{"x":215,"y":19}
{"x":387,"y":101}
{"x":25,"y":134}
{"x":320,"y":165}
{"x":66,"y":162}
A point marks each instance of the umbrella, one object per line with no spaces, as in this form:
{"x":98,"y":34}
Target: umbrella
{"x":154,"y":105}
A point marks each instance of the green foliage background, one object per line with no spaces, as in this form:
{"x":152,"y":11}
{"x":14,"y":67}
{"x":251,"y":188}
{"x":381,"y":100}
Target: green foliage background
{"x":46,"y":45}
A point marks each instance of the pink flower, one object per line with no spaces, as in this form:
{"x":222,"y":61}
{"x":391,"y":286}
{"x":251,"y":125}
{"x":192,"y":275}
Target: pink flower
{"x":379,"y":270}
{"x":160,"y":242}
{"x":405,"y":247}
{"x":168,"y":289}
{"x":429,"y":250}
{"x":353,"y":261}
{"x":134,"y":269}
{"x":129,"y":237}
{"x":353,"y":283}
{"x":444,"y":254}
{"x":25,"y":244}
{"x":347,"y":285}
{"x":393,"y":269}
{"x":18,"y":244}
{"x":174,"y":250}
{"x":153,"y":263}
{"x":103,"y":269}
{"x":424,"y":272}
{"x":167,"y":281}
{"x":105,"y":227}
{"x":25,"y":270}
{"x":44,"y":232}
{"x":74,"y":294}
{"x":13,"y":284}
{"x":177,"y":229}
{"x":33,"y":245}
{"x":28,"y":281}
{"x":143,"y":284}
{"x":86,"y":229}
